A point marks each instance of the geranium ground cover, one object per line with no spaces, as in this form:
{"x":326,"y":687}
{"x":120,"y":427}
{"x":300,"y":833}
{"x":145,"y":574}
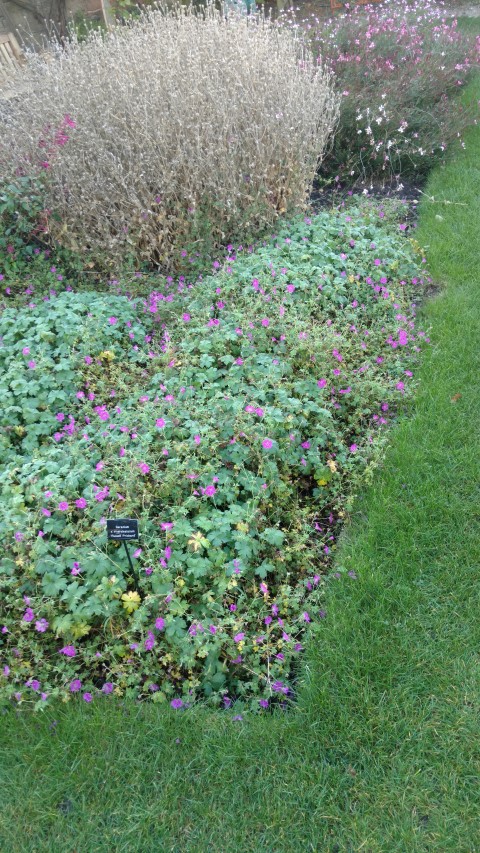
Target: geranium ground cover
{"x":234,"y":417}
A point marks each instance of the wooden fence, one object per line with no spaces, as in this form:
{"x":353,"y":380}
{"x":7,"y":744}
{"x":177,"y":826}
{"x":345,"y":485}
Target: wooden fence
{"x":11,"y":57}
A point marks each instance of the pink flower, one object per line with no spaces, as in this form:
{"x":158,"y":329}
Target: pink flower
{"x":144,"y":468}
{"x":186,"y":318}
{"x":238,"y":638}
{"x":45,"y":512}
{"x":26,"y":351}
{"x":353,"y":448}
{"x":291,"y":288}
{"x":29,"y":615}
{"x":80,"y":503}
{"x":267,"y":443}
{"x":159,"y":623}
{"x":112,"y":320}
{"x":87,"y":697}
{"x":197,"y":439}
{"x":32,"y":365}
{"x":75,"y":685}
{"x":264,"y":588}
{"x":265,"y":321}
{"x":41,"y":625}
{"x":63,"y":506}
{"x":160,"y":423}
{"x":209,"y":491}
{"x":321,"y":383}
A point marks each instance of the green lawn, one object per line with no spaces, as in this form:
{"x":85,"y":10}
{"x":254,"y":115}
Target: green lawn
{"x":382,"y":754}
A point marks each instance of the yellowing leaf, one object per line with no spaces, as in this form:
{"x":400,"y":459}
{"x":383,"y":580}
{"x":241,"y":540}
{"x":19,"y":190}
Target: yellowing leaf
{"x":131,"y":601}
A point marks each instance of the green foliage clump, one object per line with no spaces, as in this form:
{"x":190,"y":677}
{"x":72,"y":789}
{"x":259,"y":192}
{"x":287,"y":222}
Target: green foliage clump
{"x":234,"y":418}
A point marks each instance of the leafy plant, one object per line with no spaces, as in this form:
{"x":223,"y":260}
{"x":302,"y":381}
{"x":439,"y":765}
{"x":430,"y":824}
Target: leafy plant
{"x":233,"y":417}
{"x":398,"y":68}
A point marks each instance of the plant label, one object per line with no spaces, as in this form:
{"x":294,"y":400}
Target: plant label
{"x":122,"y":529}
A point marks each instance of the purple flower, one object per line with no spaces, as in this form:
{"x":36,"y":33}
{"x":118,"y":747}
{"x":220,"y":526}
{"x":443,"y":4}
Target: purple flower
{"x":263,"y":703}
{"x":69,"y":651}
{"x":87,"y":697}
{"x":63,"y":506}
{"x":159,"y":623}
{"x":29,"y":615}
{"x":267,"y":443}
{"x":75,"y":685}
{"x":237,"y":718}
{"x":107,"y":687}
{"x":279,"y":687}
{"x":176,"y":703}
{"x":238,"y":638}
{"x":41,"y":625}
{"x":150,"y":641}
{"x":80,"y":503}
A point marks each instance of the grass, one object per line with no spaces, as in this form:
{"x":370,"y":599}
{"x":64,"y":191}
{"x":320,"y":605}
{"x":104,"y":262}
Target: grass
{"x":382,"y":753}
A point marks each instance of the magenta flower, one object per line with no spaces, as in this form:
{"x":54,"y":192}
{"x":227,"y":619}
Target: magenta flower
{"x":41,"y":625}
{"x":160,"y":423}
{"x":150,"y":641}
{"x":159,"y":623}
{"x":63,"y":506}
{"x":144,"y":468}
{"x":29,"y":615}
{"x":69,"y":651}
{"x":186,"y":318}
{"x":87,"y":697}
{"x":112,"y":320}
{"x":353,"y":448}
{"x":265,"y":321}
{"x":32,"y":364}
{"x":75,"y":685}
{"x":176,"y":703}
{"x":267,"y":443}
{"x":279,"y":687}
{"x":239,"y":637}
{"x":80,"y":503}
{"x":46,"y":511}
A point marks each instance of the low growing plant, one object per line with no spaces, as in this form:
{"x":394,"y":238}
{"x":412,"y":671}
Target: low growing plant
{"x":234,"y":418}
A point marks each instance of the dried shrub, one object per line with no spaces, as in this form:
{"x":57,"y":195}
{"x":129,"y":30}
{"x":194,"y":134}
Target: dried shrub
{"x":190,"y":128}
